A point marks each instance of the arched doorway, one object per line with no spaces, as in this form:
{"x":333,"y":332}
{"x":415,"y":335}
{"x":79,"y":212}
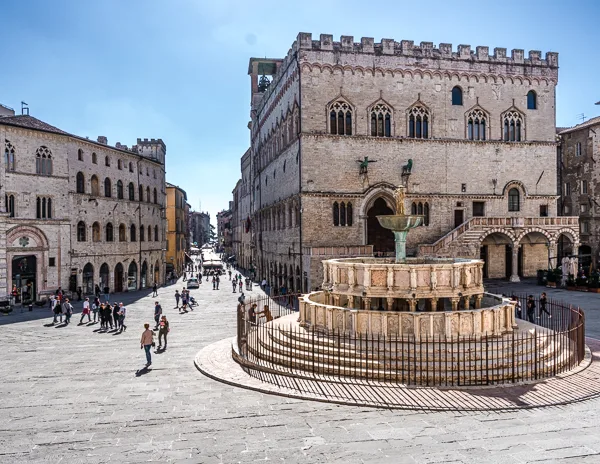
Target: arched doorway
{"x":88,"y":279}
{"x":585,"y":258}
{"x":144,"y":275}
{"x":534,"y":253}
{"x":24,"y":278}
{"x":118,"y":278}
{"x":381,"y":239}
{"x":132,"y":277}
{"x":156,"y":273}
{"x":565,"y":246}
{"x":496,"y":252}
{"x":104,"y":275}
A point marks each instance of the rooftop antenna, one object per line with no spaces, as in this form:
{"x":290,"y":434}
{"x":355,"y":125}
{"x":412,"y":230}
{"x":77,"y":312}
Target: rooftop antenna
{"x":24,"y":107}
{"x":581,"y":116}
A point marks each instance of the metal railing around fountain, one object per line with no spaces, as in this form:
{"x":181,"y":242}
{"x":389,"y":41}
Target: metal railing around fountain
{"x":267,"y":346}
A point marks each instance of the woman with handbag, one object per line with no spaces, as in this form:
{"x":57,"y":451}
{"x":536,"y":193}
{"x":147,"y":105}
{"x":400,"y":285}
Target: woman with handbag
{"x":163,"y":331}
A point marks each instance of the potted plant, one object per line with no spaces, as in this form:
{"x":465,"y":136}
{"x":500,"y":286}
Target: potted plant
{"x":594,"y":283}
{"x":571,"y":282}
{"x":551,"y":279}
{"x":582,"y":284}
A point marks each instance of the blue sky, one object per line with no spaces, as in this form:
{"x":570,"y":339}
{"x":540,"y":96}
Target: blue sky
{"x":177,"y":69}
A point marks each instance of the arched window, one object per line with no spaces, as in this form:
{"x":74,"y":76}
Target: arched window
{"x":141,"y":193}
{"x":381,"y":121}
{"x":80,"y":183}
{"x":149,"y":233}
{"x":109,"y":232}
{"x":122,"y":233}
{"x":119,"y":164}
{"x":95,"y":186}
{"x":476,"y":124}
{"x":142,"y":233}
{"x":340,"y":118}
{"x":418,"y":122}
{"x":426,"y":214}
{"x":512,"y":126}
{"x":81,"y":231}
{"x":342,"y":214}
{"x":106,"y":161}
{"x":107,"y":188}
{"x":80,"y":155}
{"x":155,"y":196}
{"x":420,"y":209}
{"x":94,"y":158}
{"x":9,"y":202}
{"x":43,"y":161}
{"x":148,"y":194}
{"x":531,"y":100}
{"x":131,"y":191}
{"x":514,"y":200}
{"x":336,"y":213}
{"x":9,"y":156}
{"x":156,"y":233}
{"x":457,"y":96}
{"x":95,"y":232}
{"x":132,"y":237}
{"x":413,"y":209}
{"x":130,"y":166}
{"x":349,"y":214}
{"x":119,"y":190}
{"x":43,"y":208}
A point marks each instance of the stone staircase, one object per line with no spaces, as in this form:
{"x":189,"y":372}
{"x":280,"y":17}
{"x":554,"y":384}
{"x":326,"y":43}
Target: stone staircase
{"x":283,"y":346}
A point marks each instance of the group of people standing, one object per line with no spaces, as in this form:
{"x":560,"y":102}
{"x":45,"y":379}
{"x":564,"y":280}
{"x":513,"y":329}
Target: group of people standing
{"x":105,"y":313}
{"x":186,"y":300}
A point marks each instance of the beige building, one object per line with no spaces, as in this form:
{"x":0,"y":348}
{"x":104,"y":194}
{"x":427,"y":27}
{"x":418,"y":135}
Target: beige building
{"x":77,"y":212}
{"x":241,"y":217}
{"x":470,"y":134}
{"x":580,"y":187}
{"x":177,"y":229}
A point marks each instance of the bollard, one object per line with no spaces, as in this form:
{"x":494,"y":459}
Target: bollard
{"x":30,"y":307}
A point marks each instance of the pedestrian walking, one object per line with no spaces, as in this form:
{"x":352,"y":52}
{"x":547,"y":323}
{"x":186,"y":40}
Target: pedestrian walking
{"x":108,"y":316}
{"x":86,"y":311}
{"x":157,"y":313}
{"x":163,"y":331}
{"x":68,"y":309}
{"x":94,"y":309}
{"x":252,"y":314}
{"x":146,"y":343}
{"x":242,"y":298}
{"x":154,"y":290}
{"x":122,"y":315}
{"x":241,"y":286}
{"x":234,"y":285}
{"x":101,"y":316}
{"x":229,"y":274}
{"x":263,"y":284}
{"x":218,"y":281}
{"x":530,"y":308}
{"x":115,"y":315}
{"x":58,"y":312}
{"x":543,"y":302}
{"x":177,"y":297}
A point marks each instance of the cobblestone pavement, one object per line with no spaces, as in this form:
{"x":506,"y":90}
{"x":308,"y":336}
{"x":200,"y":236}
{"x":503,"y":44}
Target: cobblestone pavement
{"x":71,"y":395}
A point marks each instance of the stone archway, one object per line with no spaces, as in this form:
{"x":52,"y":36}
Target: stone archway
{"x":534,"y":247}
{"x":381,"y":239}
{"x":496,"y":251}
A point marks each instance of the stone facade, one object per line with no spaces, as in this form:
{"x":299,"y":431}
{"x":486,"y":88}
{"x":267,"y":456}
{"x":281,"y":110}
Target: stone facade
{"x":177,"y":228}
{"x":470,"y":122}
{"x":241,"y":217}
{"x":579,"y":185}
{"x":224,"y":230}
{"x":200,"y":227}
{"x":79,"y":213}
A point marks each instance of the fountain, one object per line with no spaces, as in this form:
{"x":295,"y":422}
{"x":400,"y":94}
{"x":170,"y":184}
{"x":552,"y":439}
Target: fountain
{"x":400,"y":224}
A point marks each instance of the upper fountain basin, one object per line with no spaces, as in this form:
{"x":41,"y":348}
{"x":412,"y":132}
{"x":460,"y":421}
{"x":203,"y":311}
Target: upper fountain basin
{"x":400,"y":222}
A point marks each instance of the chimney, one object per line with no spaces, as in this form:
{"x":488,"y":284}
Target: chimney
{"x":103,"y":140}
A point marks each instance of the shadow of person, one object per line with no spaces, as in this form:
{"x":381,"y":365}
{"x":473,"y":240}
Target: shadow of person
{"x":61,"y":325}
{"x":52,"y":324}
{"x":160,"y":350}
{"x":144,"y":370}
{"x":117,"y":332}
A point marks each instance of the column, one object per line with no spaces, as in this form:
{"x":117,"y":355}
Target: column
{"x":336,"y":300}
{"x":434,"y":303}
{"x":350,"y":301}
{"x":467,"y":301}
{"x":515,"y":264}
{"x":478,"y":299}
{"x":367,"y":303}
{"x":552,"y":253}
{"x":390,"y":303}
{"x":454,"y":301}
{"x":412,"y":305}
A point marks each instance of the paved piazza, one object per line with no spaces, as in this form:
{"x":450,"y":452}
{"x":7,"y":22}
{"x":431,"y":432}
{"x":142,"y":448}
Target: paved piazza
{"x":71,"y":395}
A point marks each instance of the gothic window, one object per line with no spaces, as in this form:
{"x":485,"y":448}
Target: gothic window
{"x":94,"y":158}
{"x":96,"y":232}
{"x":122,"y":237}
{"x":418,"y":122}
{"x":336,"y":214}
{"x":107,"y":188}
{"x":148,"y":194}
{"x":43,"y":208}
{"x":155,"y":196}
{"x":476,"y":124}
{"x":80,"y":182}
{"x":142,"y":233}
{"x":95,"y":186}
{"x":512,"y":126}
{"x":130,"y":166}
{"x":514,"y":200}
{"x":141,"y":193}
{"x":106,"y":161}
{"x":9,"y":156}
{"x":149,"y":233}
{"x":342,"y":214}
{"x":109,"y":232}
{"x":381,"y":121}
{"x":43,"y":161}
{"x":349,"y":214}
{"x":131,"y":191}
{"x":80,"y":155}
{"x":413,"y":209}
{"x":156,"y":233}
{"x":119,"y":164}
{"x":120,"y":194}
{"x":420,"y":209}
{"x":81,"y":231}
{"x":132,"y":233}
{"x":531,"y":100}
{"x":340,"y":118}
{"x":457,"y":96}
{"x":426,"y":214}
{"x":9,"y":201}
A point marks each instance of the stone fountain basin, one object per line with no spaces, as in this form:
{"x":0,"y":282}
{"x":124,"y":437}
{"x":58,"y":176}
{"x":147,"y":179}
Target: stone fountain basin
{"x":400,"y":222}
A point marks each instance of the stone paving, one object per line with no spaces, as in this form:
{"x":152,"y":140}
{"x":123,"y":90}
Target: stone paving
{"x":71,"y":395}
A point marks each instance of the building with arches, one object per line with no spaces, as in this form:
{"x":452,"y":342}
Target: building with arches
{"x":336,"y":125}
{"x":65,"y":201}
